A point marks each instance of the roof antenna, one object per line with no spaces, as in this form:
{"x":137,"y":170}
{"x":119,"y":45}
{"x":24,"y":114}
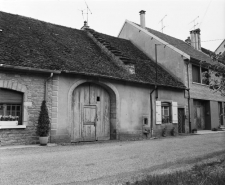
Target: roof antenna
{"x":194,"y":22}
{"x":88,"y":9}
{"x":162,"y":23}
{"x":82,"y":11}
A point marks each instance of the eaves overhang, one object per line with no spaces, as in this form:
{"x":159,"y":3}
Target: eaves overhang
{"x":27,"y":69}
{"x":120,"y":79}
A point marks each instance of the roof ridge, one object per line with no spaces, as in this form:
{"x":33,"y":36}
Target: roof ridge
{"x":181,"y":45}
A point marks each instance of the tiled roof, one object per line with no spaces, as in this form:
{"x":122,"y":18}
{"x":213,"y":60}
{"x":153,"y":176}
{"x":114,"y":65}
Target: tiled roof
{"x":32,"y":43}
{"x":184,"y":47}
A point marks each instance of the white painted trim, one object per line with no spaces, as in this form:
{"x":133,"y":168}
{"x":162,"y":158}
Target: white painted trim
{"x":158,"y":39}
{"x":8,"y":123}
{"x":122,"y":27}
{"x":13,"y":127}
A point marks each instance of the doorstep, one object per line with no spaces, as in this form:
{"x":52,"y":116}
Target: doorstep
{"x":201,"y":132}
{"x":25,"y":146}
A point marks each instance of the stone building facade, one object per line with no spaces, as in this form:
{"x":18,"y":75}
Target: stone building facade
{"x":97,"y":87}
{"x":186,"y":61}
{"x":32,"y":87}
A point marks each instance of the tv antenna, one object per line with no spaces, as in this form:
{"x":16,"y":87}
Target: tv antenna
{"x":88,"y":10}
{"x":195,"y":24}
{"x":162,"y":23}
{"x":82,"y":11}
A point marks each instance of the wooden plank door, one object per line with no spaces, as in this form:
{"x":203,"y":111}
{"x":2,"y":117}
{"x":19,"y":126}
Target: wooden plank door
{"x":85,"y":98}
{"x":101,"y":99}
{"x":181,"y":121}
{"x":199,"y":114}
{"x":89,"y":123}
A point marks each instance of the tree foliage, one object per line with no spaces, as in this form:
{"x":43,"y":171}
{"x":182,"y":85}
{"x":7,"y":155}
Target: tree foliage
{"x":216,"y":77}
{"x":43,"y":121}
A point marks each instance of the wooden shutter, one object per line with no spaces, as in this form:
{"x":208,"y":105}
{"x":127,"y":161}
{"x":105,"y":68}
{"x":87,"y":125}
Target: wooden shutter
{"x":10,"y":96}
{"x":158,"y":112}
{"x":174,"y":112}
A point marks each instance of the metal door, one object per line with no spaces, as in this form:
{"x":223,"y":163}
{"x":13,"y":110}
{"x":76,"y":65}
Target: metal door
{"x":181,"y":121}
{"x":89,"y":123}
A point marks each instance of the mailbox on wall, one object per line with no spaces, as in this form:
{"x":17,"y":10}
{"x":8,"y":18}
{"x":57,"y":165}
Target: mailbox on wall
{"x":145,"y":125}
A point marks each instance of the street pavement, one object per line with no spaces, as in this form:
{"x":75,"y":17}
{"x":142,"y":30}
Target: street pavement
{"x":105,"y":163}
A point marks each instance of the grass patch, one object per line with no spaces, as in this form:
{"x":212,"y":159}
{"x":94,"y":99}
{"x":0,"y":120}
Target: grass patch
{"x":212,"y":173}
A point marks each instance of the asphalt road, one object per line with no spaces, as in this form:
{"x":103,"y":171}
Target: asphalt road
{"x":105,"y":163}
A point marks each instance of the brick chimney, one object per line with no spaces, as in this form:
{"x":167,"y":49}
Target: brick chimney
{"x":196,"y":39}
{"x":142,"y":18}
{"x":85,"y":26}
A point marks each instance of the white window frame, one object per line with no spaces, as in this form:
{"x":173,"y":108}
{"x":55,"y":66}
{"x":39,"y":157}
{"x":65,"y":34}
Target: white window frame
{"x":173,"y":112}
{"x":8,"y":84}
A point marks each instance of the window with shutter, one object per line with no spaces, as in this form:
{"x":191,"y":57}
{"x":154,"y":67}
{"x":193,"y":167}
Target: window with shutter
{"x":174,"y":112}
{"x":158,"y":112}
{"x":166,"y":112}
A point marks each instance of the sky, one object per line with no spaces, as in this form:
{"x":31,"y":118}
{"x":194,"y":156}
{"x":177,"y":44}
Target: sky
{"x":108,"y":16}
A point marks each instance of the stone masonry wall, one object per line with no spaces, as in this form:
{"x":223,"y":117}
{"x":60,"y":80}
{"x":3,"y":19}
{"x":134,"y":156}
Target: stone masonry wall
{"x":35,"y":88}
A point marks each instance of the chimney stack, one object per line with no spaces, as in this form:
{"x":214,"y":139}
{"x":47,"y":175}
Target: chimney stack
{"x":85,"y":26}
{"x":196,"y":39}
{"x":142,"y":18}
{"x":188,"y":41}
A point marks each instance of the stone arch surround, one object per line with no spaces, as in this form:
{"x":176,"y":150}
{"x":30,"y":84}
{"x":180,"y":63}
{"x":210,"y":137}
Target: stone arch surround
{"x":114,"y":104}
{"x":8,"y":84}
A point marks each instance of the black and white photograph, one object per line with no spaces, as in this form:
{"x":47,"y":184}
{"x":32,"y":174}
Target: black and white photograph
{"x":112,"y":92}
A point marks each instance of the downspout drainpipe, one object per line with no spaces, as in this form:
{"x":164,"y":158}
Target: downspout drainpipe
{"x":46,"y":95}
{"x":151,"y":102}
{"x":189,"y":111}
{"x":155,"y":89}
{"x":46,"y":86}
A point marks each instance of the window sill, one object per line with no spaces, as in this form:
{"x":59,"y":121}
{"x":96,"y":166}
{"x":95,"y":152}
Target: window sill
{"x":196,"y":83}
{"x":12,"y":127}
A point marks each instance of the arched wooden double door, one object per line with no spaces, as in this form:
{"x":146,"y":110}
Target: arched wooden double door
{"x":90,"y":113}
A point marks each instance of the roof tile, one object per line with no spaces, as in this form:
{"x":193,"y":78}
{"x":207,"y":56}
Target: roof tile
{"x":32,"y":43}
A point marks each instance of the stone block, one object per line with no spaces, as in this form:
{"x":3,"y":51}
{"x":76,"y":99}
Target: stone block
{"x":1,"y":83}
{"x":53,"y":132}
{"x":5,"y":83}
{"x":55,"y":88}
{"x":54,"y":99}
{"x":55,"y":82}
{"x":54,"y":121}
{"x":55,"y":93}
{"x":54,"y":115}
{"x":14,"y":85}
{"x":54,"y":103}
{"x":54,"y":110}
{"x":53,"y":126}
{"x":9,"y":85}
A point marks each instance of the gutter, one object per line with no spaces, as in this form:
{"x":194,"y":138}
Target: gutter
{"x":29,"y":69}
{"x":116,"y":78}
